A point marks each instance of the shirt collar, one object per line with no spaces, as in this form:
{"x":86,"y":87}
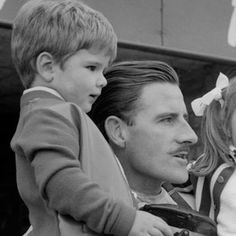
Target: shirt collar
{"x":42,"y":88}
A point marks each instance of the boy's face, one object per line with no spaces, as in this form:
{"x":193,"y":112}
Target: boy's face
{"x":81,"y":79}
{"x":158,"y":142}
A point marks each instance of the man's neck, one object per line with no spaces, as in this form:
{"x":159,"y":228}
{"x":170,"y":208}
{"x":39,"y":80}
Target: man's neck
{"x":145,"y":197}
{"x":144,"y":186}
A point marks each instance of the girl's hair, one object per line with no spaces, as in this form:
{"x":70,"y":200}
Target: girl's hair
{"x":61,"y":28}
{"x":216,"y":132}
{"x":125,"y":82}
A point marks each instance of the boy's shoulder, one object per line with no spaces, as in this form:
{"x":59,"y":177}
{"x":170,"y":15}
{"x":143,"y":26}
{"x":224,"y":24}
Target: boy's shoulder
{"x":70,"y":111}
{"x":44,"y":100}
{"x":47,"y":104}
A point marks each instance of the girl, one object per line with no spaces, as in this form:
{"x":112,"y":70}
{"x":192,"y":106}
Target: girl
{"x":216,"y":166}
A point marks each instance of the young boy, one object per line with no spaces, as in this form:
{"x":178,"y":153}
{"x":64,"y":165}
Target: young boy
{"x":67,"y":174}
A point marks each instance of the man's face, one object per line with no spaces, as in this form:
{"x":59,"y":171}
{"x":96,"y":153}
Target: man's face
{"x":158,"y":142}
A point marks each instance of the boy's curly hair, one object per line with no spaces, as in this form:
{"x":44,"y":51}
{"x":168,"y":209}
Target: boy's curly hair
{"x":61,"y":28}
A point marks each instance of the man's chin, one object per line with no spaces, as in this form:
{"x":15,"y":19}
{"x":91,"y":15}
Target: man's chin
{"x":180,"y":178}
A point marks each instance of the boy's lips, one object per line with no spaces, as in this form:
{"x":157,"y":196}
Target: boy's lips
{"x":94,"y":96}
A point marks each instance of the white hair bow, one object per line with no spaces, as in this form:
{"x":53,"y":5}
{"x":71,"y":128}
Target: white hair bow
{"x":232,"y":27}
{"x":199,"y":104}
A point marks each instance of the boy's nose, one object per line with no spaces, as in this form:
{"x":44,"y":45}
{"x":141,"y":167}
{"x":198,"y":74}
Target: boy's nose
{"x":102,"y":82}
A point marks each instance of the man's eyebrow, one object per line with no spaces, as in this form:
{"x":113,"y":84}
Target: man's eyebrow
{"x":173,"y":114}
{"x":165,"y":114}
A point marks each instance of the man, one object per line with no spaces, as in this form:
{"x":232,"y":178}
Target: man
{"x":142,"y":114}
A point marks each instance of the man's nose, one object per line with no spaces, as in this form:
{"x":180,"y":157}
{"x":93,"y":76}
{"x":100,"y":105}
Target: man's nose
{"x":187,"y":134}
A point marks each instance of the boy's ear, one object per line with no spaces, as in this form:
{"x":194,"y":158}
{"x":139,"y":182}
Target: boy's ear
{"x":45,"y":66}
{"x":116,"y":130}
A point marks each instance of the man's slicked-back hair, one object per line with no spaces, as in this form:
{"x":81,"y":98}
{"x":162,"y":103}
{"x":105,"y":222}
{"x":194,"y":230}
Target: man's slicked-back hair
{"x":61,"y":28}
{"x":125,"y":82}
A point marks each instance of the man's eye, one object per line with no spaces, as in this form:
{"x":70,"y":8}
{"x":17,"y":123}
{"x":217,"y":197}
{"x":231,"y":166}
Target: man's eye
{"x":92,"y":68}
{"x":168,"y":120}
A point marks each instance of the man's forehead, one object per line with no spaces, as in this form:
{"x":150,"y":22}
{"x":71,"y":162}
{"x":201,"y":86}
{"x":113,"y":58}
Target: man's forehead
{"x":161,"y":91}
{"x":162,"y":97}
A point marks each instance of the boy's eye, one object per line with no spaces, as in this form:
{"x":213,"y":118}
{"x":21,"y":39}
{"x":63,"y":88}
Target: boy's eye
{"x":92,"y":68}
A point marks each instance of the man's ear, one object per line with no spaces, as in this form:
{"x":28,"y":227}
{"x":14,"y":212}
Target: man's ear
{"x":116,"y":130}
{"x":45,"y":66}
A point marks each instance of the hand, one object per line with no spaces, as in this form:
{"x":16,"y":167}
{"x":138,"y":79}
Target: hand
{"x":182,"y":233}
{"x":146,"y":224}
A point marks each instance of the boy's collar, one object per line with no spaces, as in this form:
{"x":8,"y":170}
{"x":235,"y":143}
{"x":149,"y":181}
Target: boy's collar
{"x":42,"y":88}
